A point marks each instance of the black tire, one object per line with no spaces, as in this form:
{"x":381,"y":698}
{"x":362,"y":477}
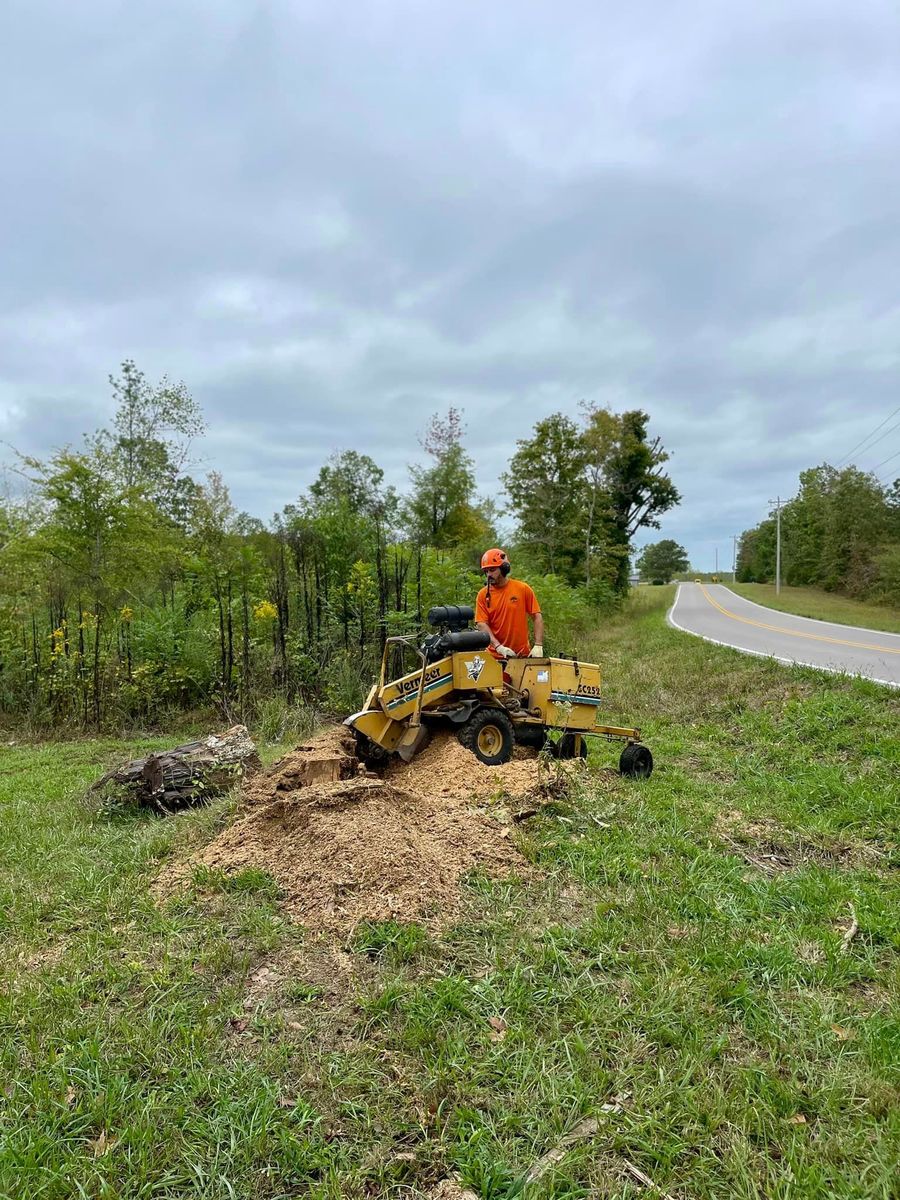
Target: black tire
{"x":532,"y":736}
{"x":565,"y":747}
{"x":636,"y":761}
{"x":488,"y":733}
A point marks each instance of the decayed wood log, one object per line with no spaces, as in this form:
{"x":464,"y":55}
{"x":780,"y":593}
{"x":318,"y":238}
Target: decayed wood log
{"x":188,"y":774}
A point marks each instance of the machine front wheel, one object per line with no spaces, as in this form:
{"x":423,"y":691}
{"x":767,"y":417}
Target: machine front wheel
{"x":636,"y":761}
{"x":488,"y":733}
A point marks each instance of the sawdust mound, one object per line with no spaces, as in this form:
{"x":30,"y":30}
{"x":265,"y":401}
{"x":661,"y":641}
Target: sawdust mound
{"x":356,"y":847}
{"x":446,"y":768}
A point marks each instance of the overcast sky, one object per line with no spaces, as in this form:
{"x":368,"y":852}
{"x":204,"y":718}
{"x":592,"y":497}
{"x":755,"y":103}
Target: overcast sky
{"x":333,"y":220}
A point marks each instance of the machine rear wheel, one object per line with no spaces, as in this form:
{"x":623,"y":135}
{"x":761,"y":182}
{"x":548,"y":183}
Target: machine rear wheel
{"x":488,"y":733}
{"x":565,"y":747}
{"x":636,"y":761}
{"x":532,"y":736}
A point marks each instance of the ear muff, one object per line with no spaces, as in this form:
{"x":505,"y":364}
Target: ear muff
{"x":505,"y":568}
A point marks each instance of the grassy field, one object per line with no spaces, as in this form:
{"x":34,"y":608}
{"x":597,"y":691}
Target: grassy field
{"x":824,"y":606}
{"x":706,"y":967}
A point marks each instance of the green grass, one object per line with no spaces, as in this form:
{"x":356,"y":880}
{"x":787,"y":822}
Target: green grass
{"x":824,"y":606}
{"x":679,"y":960}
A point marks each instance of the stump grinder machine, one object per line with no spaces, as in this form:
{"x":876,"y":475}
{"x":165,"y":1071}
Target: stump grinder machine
{"x":551,"y":704}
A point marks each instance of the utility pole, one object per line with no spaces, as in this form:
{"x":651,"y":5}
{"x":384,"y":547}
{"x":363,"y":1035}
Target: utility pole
{"x":734,"y":542}
{"x":717,"y":562}
{"x":777,"y":503}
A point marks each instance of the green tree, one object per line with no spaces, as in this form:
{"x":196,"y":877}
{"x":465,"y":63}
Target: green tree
{"x":662,"y":560}
{"x":756,"y":554}
{"x":216,"y":529}
{"x":150,"y":439}
{"x":546,"y":484}
{"x":857,"y":524}
{"x":441,"y":510}
{"x":353,"y":479}
{"x":635,"y":488}
{"x":600,"y":436}
{"x":97,"y":546}
{"x":580,"y":493}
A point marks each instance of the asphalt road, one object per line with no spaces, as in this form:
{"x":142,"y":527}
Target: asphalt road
{"x":719,"y":615}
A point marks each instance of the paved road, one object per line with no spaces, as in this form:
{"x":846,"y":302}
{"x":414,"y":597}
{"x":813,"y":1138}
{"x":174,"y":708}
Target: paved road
{"x":719,"y":615}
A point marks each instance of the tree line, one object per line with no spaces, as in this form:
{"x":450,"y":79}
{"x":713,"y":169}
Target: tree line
{"x":129,"y":589}
{"x":841,"y":532}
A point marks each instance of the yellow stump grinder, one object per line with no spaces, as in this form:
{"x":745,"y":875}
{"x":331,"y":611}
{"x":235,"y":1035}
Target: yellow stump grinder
{"x":551,"y":704}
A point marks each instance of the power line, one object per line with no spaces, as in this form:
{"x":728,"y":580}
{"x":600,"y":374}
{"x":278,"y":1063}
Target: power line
{"x":847,"y":457}
{"x":881,"y":439}
{"x":881,"y":464}
{"x":889,"y":458}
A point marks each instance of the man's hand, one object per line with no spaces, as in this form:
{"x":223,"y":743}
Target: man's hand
{"x":537,"y":650}
{"x":504,"y":651}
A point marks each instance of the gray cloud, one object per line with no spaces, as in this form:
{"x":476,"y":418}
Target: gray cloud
{"x":331,"y":223}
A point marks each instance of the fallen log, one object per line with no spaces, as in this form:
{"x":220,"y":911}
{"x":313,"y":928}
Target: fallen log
{"x":189,"y":774}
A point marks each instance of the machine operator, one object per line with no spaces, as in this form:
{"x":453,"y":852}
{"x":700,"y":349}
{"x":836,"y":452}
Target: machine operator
{"x":503,"y":608}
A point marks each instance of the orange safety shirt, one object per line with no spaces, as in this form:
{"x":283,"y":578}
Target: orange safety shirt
{"x":508,"y":613}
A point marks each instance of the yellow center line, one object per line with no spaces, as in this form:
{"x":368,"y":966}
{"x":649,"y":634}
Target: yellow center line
{"x":813,"y":637}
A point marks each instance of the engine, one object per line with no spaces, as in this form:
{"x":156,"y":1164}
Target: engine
{"x":454,"y":634}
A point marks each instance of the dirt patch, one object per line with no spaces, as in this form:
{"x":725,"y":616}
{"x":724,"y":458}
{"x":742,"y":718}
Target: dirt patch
{"x":449,"y":1189}
{"x":310,"y":991}
{"x":42,"y":958}
{"x":322,"y":974}
{"x":770,"y":847}
{"x":344,"y":845}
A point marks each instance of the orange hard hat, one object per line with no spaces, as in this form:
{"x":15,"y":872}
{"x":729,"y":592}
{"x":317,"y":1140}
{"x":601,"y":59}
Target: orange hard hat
{"x":493,"y":558}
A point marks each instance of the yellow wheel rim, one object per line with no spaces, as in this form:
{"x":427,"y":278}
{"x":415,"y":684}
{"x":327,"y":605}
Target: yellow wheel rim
{"x":490,"y":740}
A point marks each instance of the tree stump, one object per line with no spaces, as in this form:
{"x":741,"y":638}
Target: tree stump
{"x":189,"y":774}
